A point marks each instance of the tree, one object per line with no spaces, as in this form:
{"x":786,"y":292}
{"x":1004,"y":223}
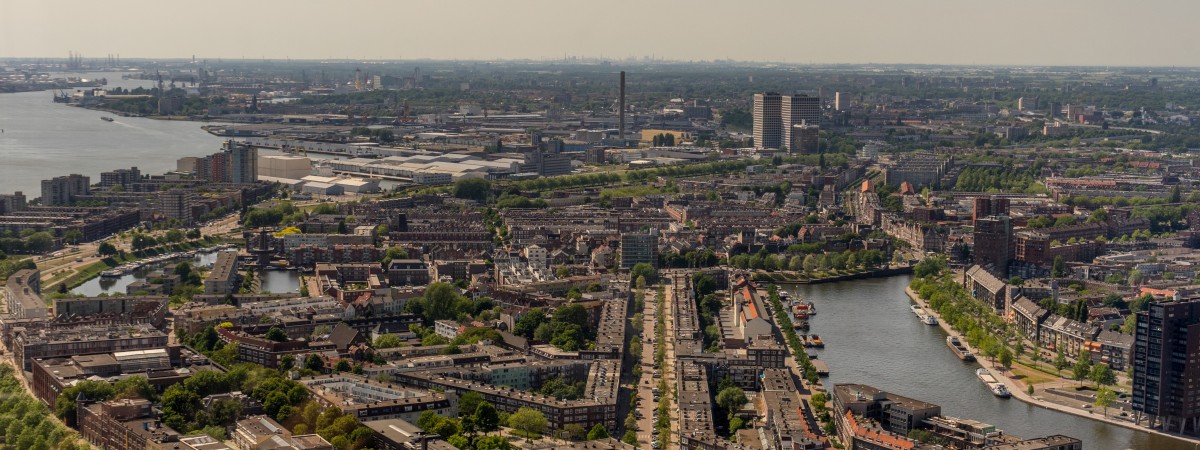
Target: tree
{"x":468,"y":403}
{"x":487,"y":419}
{"x":1135,"y":277}
{"x":530,"y":422}
{"x":174,"y":235}
{"x":73,"y":237}
{"x":630,"y":438}
{"x":597,"y":432}
{"x":106,"y":249}
{"x":731,"y":398}
{"x":1081,"y":369}
{"x":389,"y":340}
{"x":1105,"y":398}
{"x":1102,"y":375}
{"x":441,"y":302}
{"x":314,"y":363}
{"x":1059,"y":268}
{"x":643,"y":270}
{"x":276,"y":334}
{"x":1006,"y":358}
{"x":1060,"y":361}
{"x":477,"y":189}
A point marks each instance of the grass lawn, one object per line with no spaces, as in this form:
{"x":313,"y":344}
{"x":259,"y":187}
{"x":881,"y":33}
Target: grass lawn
{"x":1028,"y":375}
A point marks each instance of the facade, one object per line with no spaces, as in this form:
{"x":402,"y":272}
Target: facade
{"x":1166,"y":359}
{"x":639,"y":248}
{"x":120,"y":177}
{"x":917,"y":169}
{"x":804,"y":138}
{"x":802,"y":110}
{"x":59,"y":191}
{"x":993,"y":243}
{"x":243,"y":163}
{"x":768,"y":121}
{"x":176,"y":204}
{"x":988,"y":206}
{"x":408,"y":272}
{"x":775,"y":117}
{"x":10,"y":203}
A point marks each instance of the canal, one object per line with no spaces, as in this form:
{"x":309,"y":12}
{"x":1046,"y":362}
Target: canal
{"x":873,"y":338}
{"x":277,"y":281}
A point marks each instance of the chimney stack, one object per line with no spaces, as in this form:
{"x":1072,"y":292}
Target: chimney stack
{"x":621,"y":117}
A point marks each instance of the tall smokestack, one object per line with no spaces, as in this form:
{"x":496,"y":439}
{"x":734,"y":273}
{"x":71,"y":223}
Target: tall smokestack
{"x":621,"y":119}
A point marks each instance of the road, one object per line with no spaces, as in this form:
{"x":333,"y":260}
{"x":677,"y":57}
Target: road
{"x":646,"y":384}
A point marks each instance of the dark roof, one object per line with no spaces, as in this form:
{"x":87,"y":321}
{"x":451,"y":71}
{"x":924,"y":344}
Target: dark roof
{"x":343,"y":336}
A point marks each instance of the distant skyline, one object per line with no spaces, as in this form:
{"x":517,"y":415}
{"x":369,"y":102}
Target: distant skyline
{"x":951,"y":32}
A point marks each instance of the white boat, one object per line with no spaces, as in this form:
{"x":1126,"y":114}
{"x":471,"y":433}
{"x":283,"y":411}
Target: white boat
{"x":917,"y":309}
{"x":929,"y":319}
{"x":999,"y":390}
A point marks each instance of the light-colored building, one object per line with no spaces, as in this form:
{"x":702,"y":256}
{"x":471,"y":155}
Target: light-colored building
{"x":284,"y":166}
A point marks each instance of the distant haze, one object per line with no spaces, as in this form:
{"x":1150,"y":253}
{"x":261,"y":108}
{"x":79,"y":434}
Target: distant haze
{"x":1009,"y":32}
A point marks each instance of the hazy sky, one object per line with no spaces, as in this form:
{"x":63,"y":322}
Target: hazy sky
{"x":1011,"y":32}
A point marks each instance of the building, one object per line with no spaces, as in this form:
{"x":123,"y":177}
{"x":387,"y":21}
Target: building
{"x":243,"y":163}
{"x":1054,"y":442}
{"x":223,"y":278}
{"x":768,"y":121}
{"x":397,"y":434}
{"x":176,"y":204}
{"x":994,"y":243}
{"x":987,"y":288}
{"x":1166,"y":360}
{"x":28,"y":344}
{"x":265,"y":352}
{"x":408,"y":272}
{"x":10,"y":203}
{"x":988,"y":206}
{"x":120,"y":177}
{"x":59,"y":191}
{"x":868,"y":417}
{"x":918,"y":169}
{"x":263,"y":433}
{"x":371,"y":400}
{"x":775,"y":117}
{"x":51,"y":376}
{"x":841,"y":101}
{"x":799,"y":109}
{"x":284,"y":166}
{"x":23,"y":293}
{"x":804,"y":138}
{"x":125,"y":424}
{"x":639,"y":248}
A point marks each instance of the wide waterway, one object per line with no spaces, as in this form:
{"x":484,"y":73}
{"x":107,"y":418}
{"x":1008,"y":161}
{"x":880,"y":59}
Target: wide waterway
{"x":873,"y":338}
{"x":43,"y":139}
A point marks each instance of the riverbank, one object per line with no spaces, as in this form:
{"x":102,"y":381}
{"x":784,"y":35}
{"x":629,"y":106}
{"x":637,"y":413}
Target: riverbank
{"x":877,"y":273}
{"x":1018,"y":389}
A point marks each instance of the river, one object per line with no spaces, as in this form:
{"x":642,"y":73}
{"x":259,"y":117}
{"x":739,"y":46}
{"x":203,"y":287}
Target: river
{"x":873,"y":338}
{"x":43,"y":139}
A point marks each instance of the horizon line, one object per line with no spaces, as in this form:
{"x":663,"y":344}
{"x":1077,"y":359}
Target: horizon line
{"x":602,"y":59}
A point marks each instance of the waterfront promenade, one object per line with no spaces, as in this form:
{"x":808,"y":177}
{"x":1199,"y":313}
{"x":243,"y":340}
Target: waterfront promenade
{"x":1018,"y":389}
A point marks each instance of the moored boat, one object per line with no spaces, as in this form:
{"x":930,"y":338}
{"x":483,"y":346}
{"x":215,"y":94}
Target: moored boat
{"x":959,"y":349}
